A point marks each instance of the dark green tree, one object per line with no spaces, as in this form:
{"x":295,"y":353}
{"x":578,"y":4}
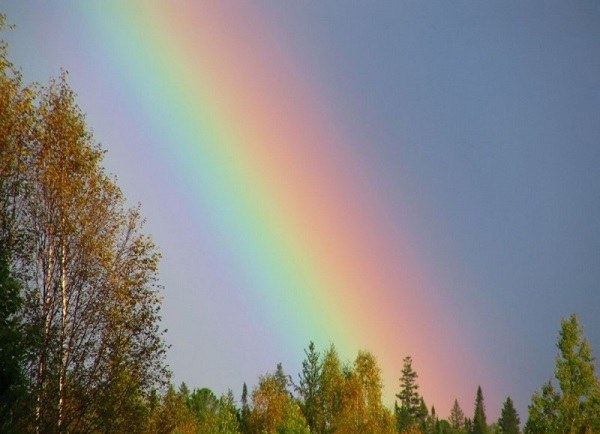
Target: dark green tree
{"x":283,"y":380}
{"x":479,"y":419}
{"x":245,"y":410}
{"x":12,"y":349}
{"x":309,"y":389}
{"x":409,"y":411}
{"x":203,"y":404}
{"x":468,"y":425}
{"x":509,"y":419}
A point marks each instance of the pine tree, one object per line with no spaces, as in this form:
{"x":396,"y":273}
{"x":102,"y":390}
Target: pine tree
{"x":509,"y":419}
{"x":479,"y":420}
{"x":457,"y":417}
{"x":309,"y":389}
{"x":408,"y":413}
{"x":245,"y":410}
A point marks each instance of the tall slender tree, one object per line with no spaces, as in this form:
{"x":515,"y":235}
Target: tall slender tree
{"x":245,"y":410}
{"x":479,"y":419}
{"x":309,"y":391}
{"x":331,"y":385}
{"x":409,"y":411}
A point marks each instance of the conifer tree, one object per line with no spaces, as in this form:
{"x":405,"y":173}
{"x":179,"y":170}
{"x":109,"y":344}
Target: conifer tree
{"x":309,"y":389}
{"x":409,"y":410}
{"x":245,"y":410}
{"x":509,"y":419}
{"x":457,"y":417}
{"x":479,"y":419}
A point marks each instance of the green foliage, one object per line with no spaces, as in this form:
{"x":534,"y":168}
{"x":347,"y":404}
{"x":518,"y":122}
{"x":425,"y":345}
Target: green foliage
{"x":309,"y":390}
{"x":245,"y":410}
{"x":575,"y":406}
{"x":12,"y":349}
{"x":479,"y":419}
{"x":227,"y":417}
{"x":410,"y":411}
{"x":509,"y":419}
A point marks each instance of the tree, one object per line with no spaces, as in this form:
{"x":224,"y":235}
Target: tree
{"x":173,"y":415}
{"x":575,"y":406}
{"x":309,"y":389}
{"x":227,"y":421}
{"x":479,"y":419}
{"x":361,"y":410}
{"x":89,"y":285}
{"x":204,"y":405}
{"x":457,"y":418}
{"x":101,"y":297}
{"x":245,"y":410}
{"x":16,"y":122}
{"x":409,"y":412}
{"x":273,"y":409}
{"x":331,"y":385}
{"x":12,"y":349}
{"x":509,"y":419}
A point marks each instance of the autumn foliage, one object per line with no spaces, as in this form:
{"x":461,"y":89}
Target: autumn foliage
{"x":81,"y":348}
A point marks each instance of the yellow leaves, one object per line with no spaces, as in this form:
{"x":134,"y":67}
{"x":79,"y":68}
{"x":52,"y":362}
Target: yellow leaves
{"x":93,"y":282}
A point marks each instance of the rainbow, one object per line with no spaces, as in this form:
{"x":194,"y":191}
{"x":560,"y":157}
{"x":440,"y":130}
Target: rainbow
{"x":256,"y":146}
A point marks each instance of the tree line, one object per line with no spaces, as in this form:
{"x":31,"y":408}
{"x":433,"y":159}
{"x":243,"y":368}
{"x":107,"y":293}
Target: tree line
{"x":81,"y":347}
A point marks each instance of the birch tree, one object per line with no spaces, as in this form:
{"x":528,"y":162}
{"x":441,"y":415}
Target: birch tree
{"x":90,"y":288}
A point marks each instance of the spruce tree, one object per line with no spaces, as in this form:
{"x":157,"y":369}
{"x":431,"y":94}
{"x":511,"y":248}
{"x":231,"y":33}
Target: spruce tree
{"x":409,"y":410}
{"x":457,"y":417}
{"x":479,"y":420}
{"x":245,"y":410}
{"x":509,"y":419}
{"x":309,"y":389}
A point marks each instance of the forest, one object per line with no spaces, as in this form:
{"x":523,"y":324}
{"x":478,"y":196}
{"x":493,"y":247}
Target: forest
{"x":81,"y":344}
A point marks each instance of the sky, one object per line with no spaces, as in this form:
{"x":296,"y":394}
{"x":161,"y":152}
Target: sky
{"x":407,"y":178}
